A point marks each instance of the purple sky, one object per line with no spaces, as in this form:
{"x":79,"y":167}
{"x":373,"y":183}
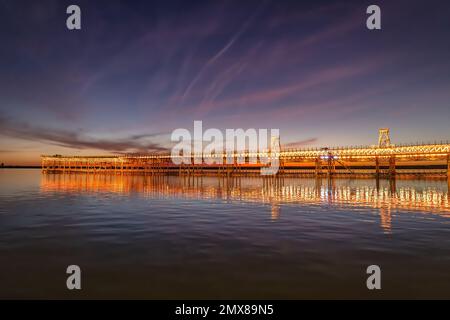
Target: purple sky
{"x":140,"y":69}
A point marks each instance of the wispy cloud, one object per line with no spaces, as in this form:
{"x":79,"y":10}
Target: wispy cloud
{"x":224,"y":49}
{"x":76,"y":140}
{"x":300,"y":143}
{"x":273,"y":94}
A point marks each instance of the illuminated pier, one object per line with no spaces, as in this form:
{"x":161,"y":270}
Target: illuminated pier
{"x":382,"y":160}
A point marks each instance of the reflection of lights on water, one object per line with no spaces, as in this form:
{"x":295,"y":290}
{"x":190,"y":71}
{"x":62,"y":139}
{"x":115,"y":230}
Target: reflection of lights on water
{"x":275,"y":211}
{"x":408,"y":198}
{"x":386,"y":219}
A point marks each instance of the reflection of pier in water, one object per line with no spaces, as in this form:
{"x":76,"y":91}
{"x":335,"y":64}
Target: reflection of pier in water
{"x":430,"y":196}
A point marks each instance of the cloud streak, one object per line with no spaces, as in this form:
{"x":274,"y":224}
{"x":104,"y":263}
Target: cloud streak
{"x":300,"y":143}
{"x":75,"y":140}
{"x":224,"y":49}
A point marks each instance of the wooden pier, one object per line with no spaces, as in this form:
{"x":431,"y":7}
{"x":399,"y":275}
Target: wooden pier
{"x":376,"y":161}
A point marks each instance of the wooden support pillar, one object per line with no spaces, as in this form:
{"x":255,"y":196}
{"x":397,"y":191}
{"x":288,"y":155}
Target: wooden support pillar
{"x":448,"y":177}
{"x":392,"y":186}
{"x":223,"y":165}
{"x":318,"y":166}
{"x":448,"y":167}
{"x":234,"y":164}
{"x":330,"y":165}
{"x":377,"y":167}
{"x":392,"y":166}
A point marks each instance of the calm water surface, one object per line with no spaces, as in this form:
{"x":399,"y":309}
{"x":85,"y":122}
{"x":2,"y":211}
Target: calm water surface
{"x":169,"y":237}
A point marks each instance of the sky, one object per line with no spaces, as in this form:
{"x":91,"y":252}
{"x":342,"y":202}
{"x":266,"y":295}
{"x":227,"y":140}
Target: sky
{"x":137,"y":70}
